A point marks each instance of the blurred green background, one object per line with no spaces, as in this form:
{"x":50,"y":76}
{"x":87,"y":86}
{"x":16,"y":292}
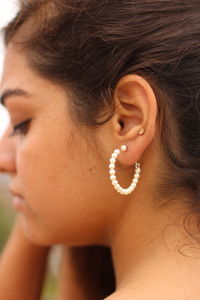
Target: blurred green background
{"x":7,"y":217}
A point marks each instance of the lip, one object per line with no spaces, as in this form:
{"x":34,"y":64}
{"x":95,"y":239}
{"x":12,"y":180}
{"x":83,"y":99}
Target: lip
{"x":18,"y":202}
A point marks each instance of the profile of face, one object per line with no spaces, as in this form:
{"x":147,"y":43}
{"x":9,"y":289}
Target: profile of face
{"x":54,"y":170}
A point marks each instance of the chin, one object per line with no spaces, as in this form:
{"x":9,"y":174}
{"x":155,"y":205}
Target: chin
{"x":39,"y":239}
{"x":43,"y":235}
{"x":38,"y":236}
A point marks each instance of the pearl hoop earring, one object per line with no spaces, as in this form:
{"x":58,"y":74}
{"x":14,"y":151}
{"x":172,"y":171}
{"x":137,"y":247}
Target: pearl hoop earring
{"x":113,"y":177}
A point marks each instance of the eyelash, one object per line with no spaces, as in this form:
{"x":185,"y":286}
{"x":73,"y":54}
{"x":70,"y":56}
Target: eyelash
{"x":21,"y":128}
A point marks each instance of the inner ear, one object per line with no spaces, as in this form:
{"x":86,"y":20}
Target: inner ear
{"x":132,"y":103}
{"x":121,"y":123}
{"x":125,"y":105}
{"x":130,"y":117}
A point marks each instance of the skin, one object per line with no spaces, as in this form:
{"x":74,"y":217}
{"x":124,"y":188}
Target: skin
{"x":30,"y":262}
{"x":68,"y":198}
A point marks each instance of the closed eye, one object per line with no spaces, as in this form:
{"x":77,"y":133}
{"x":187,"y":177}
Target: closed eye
{"x":21,"y":128}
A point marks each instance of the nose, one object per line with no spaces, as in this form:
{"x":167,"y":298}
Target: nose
{"x":7,"y":153}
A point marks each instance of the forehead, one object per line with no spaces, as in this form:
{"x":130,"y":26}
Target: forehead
{"x":17,"y":74}
{"x":16,"y":69}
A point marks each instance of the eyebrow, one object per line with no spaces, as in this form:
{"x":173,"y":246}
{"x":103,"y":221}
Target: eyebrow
{"x":12,"y":93}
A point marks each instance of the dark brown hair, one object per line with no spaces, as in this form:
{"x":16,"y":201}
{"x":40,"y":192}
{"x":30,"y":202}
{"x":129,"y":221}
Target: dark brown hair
{"x":90,"y":45}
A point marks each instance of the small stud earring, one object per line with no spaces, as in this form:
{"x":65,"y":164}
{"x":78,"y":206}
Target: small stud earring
{"x":113,"y":177}
{"x":123,"y":148}
{"x":142,"y":131}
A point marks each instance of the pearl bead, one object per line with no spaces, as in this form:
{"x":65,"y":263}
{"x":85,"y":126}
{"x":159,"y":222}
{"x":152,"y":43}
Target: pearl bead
{"x":112,"y":160}
{"x":112,"y":177}
{"x":114,"y":182}
{"x":117,"y":151}
{"x":111,"y":166}
{"x":112,"y":172}
{"x":137,"y":175}
{"x":114,"y":155}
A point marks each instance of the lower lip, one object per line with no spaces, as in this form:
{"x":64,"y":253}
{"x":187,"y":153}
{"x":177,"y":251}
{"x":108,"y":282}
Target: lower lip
{"x":18,"y":202}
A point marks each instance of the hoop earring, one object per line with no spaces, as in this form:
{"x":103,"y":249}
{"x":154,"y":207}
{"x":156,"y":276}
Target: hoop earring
{"x":113,"y":177}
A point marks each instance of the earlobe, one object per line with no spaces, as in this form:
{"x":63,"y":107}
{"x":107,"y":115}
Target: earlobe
{"x":134,"y":122}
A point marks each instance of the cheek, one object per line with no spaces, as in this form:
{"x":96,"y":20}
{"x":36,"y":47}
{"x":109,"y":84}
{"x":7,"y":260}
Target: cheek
{"x":63,"y":216}
{"x":58,"y":188}
{"x":42,"y":153}
{"x":40,"y":170}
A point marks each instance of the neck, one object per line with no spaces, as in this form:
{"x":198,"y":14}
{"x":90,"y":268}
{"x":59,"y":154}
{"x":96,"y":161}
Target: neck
{"x":146,"y":247}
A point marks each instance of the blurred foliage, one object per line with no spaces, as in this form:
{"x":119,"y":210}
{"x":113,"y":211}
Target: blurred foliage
{"x":50,"y":288}
{"x":7,"y":215}
{"x":5,"y":226}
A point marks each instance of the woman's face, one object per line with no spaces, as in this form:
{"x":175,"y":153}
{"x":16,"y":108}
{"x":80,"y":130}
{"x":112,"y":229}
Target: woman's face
{"x":64,"y":185}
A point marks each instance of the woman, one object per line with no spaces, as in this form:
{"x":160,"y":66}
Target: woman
{"x":105,"y":146}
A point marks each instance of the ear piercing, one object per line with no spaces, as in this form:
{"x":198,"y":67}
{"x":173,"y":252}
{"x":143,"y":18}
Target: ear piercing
{"x":141,"y":131}
{"x":112,"y":172}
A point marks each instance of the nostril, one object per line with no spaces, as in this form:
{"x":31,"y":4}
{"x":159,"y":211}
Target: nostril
{"x":2,"y":170}
{"x":7,"y":162}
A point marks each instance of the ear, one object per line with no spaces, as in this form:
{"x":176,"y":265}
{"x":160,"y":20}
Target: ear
{"x":136,"y":109}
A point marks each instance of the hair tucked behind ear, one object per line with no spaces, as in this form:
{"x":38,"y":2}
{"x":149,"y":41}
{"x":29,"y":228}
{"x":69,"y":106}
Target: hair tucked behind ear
{"x":90,"y":45}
